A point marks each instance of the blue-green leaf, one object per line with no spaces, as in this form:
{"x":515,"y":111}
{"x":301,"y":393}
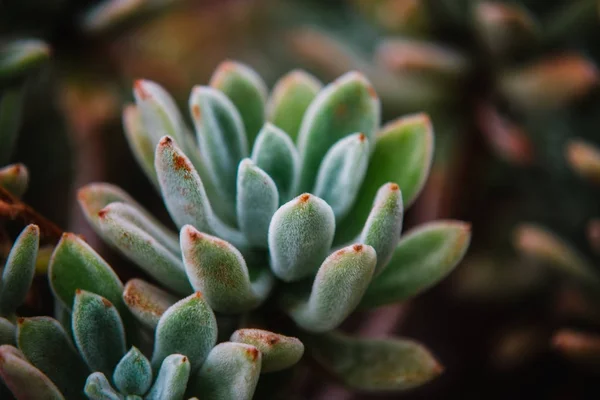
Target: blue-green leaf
{"x":133,"y":374}
{"x":172,"y":379}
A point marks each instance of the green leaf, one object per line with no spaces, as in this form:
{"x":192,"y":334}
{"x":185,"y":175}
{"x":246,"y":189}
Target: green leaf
{"x":383,"y":227}
{"x":246,"y":90}
{"x":424,"y":256}
{"x":147,"y":302}
{"x":345,"y":106}
{"x":47,"y":346}
{"x":7,"y":332}
{"x":98,"y":331}
{"x":218,"y":271}
{"x":278,"y":351}
{"x":184,"y":195}
{"x":143,"y":249}
{"x":375,"y":364}
{"x":300,"y":236}
{"x":97,"y":387}
{"x":75,"y":265}
{"x":341,"y":173}
{"x":19,"y":269}
{"x":403,"y":154}
{"x":337,"y":289}
{"x":133,"y":374}
{"x":189,"y":327}
{"x":230,"y":372}
{"x":274,"y":153}
{"x":14,"y":178}
{"x":11,"y":107}
{"x":140,"y":142}
{"x":257,"y":201}
{"x":23,"y":379}
{"x":172,"y":379}
{"x":221,"y":137}
{"x":19,"y":57}
{"x":290,"y":99}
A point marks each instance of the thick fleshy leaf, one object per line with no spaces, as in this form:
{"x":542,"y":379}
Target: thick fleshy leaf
{"x":18,"y":57}
{"x":184,"y":194}
{"x":172,"y":379}
{"x":246,"y":90}
{"x":541,"y":244}
{"x":140,"y":142}
{"x":8,"y":332}
{"x":142,"y":248}
{"x":47,"y":346}
{"x":257,"y":201}
{"x":189,"y":327}
{"x":19,"y":269}
{"x":337,"y":289}
{"x":274,"y":153}
{"x":221,"y":136}
{"x":97,"y":387}
{"x":75,"y":265}
{"x":300,"y":236}
{"x":375,"y":364}
{"x":403,"y":154}
{"x":584,"y":159}
{"x":278,"y":351}
{"x":133,"y":374}
{"x":383,"y":227}
{"x":218,"y":270}
{"x":98,"y":331}
{"x":147,"y":302}
{"x":290,"y":99}
{"x":345,"y":106}
{"x":341,"y":173}
{"x":14,"y":178}
{"x":424,"y":256}
{"x":24,"y":380}
{"x":11,"y":107}
{"x":230,"y":372}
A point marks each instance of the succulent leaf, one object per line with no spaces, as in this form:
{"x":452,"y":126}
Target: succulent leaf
{"x":218,"y":271}
{"x":403,"y":154}
{"x":384,"y":224}
{"x":172,"y":379}
{"x":14,"y":178}
{"x":97,"y":387}
{"x":133,"y":374}
{"x":246,"y":90}
{"x":278,"y":351}
{"x":375,"y":364}
{"x":19,"y":270}
{"x":140,"y":143}
{"x":147,"y":302}
{"x":143,"y":248}
{"x":345,"y":106}
{"x":18,"y":57}
{"x":341,"y":173}
{"x":230,"y":372}
{"x":23,"y":379}
{"x":290,"y":99}
{"x":423,"y":257}
{"x":75,"y":265}
{"x":7,"y":332}
{"x":257,"y":201}
{"x":337,"y":289}
{"x":47,"y":346}
{"x":189,"y":327}
{"x":221,"y":136}
{"x":300,"y":236}
{"x":275,"y":153}
{"x":98,"y":331}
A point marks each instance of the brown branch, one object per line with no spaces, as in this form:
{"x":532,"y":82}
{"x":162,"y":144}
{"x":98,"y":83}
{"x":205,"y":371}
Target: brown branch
{"x":12,"y":208}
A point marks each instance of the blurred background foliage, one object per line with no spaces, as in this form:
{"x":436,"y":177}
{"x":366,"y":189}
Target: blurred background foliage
{"x":509,"y":85}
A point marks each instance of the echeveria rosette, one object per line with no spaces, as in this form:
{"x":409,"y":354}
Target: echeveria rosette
{"x":316,"y":210}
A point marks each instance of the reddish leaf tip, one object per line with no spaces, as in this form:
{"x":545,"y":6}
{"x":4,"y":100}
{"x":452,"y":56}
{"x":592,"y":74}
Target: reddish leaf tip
{"x":357,"y":247}
{"x":304,"y":198}
{"x":20,"y":321}
{"x":394,"y":187}
{"x":252,"y":353}
{"x":166,"y":141}
{"x":106,"y":303}
{"x":138,"y":86}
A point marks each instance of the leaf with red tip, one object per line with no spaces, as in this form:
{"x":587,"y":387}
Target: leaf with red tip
{"x":423,"y":257}
{"x":15,"y":179}
{"x":147,"y":302}
{"x":278,"y":351}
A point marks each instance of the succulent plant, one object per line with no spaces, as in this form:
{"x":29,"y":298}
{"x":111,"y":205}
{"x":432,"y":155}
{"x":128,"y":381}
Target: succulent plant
{"x":315,"y":211}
